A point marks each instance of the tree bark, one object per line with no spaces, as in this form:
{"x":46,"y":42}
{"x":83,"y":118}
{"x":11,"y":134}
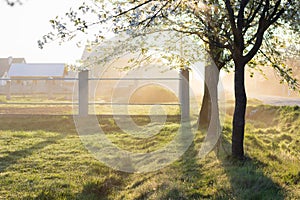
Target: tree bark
{"x":210,"y":96}
{"x":205,"y":111}
{"x":239,"y":111}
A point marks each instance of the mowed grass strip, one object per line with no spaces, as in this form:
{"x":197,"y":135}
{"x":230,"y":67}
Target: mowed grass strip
{"x":42,"y":157}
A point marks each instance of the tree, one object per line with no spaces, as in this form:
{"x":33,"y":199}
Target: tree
{"x":268,"y":13}
{"x":236,"y":30}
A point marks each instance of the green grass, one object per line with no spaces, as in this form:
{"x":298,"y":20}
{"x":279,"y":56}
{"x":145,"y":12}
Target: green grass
{"x":42,"y":157}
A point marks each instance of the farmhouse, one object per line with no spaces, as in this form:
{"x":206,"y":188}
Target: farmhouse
{"x":38,"y":78}
{"x":5,"y":64}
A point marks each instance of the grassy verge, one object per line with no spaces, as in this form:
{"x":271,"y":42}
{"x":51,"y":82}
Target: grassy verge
{"x":42,"y":157}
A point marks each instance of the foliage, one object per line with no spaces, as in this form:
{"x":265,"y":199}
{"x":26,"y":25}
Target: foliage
{"x":210,"y":21}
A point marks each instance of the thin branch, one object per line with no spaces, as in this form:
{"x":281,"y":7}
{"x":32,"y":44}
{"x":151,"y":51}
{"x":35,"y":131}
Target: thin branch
{"x":275,"y":9}
{"x":252,"y":16}
{"x":231,"y":17}
{"x":133,"y":8}
{"x":155,"y":15}
{"x":241,"y":15}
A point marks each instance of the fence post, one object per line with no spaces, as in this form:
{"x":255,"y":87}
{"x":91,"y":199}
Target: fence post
{"x":8,"y":90}
{"x":83,"y":93}
{"x":184,"y":94}
{"x":49,"y":85}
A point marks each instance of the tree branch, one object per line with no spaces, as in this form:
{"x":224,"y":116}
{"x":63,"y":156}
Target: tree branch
{"x":155,"y":15}
{"x":252,"y":16}
{"x":133,"y":8}
{"x":240,"y":18}
{"x":231,"y":17}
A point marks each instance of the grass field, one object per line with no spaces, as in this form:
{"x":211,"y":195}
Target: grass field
{"x":42,"y":157}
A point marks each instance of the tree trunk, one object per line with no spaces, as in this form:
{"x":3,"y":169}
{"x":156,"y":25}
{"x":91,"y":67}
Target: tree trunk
{"x":239,"y":112}
{"x":205,"y":111}
{"x":210,"y":97}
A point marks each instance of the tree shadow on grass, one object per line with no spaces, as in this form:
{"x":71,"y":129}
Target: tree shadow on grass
{"x":13,"y":157}
{"x":247,"y":179}
{"x":98,"y":189}
{"x":189,"y":171}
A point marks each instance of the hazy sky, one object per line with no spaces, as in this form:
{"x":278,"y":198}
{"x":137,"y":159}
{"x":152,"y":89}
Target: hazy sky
{"x":22,"y":26}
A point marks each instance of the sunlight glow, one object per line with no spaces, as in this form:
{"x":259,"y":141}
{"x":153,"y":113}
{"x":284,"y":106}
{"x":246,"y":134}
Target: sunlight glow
{"x":23,"y":25}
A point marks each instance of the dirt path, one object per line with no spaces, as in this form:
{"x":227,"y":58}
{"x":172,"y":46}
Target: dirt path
{"x":37,"y":110}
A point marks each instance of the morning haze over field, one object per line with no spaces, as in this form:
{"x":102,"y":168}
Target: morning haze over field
{"x":160,"y":100}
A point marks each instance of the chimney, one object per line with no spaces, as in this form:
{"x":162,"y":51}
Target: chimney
{"x":10,"y":60}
